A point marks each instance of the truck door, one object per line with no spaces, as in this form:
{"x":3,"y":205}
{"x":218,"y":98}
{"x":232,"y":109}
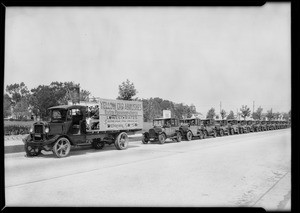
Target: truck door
{"x":76,"y":119}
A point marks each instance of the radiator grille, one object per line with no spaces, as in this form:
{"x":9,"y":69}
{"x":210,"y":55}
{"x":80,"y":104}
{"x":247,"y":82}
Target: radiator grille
{"x":38,"y":129}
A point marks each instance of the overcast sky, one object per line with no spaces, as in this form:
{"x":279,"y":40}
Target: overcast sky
{"x":193,"y":55}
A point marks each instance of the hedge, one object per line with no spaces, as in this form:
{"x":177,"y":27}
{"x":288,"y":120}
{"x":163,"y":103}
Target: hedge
{"x":16,"y":130}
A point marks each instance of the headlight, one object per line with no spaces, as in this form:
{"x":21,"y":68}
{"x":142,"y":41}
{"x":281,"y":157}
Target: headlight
{"x":46,"y":130}
{"x":31,"y":130}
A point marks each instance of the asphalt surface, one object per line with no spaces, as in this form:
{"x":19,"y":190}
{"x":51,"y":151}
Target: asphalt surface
{"x":249,"y":170}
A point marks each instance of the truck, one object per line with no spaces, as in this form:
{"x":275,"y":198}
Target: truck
{"x":162,"y":129}
{"x":222,"y":127}
{"x":208,"y":128}
{"x":190,"y":128}
{"x":74,"y":125}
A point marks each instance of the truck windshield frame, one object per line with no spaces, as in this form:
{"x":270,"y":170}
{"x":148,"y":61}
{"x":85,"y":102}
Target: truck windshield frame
{"x":58,"y":115}
{"x":158,"y":122}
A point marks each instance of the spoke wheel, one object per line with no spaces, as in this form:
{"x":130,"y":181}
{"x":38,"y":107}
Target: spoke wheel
{"x":232,"y":131}
{"x":145,"y":139}
{"x":189,"y":135}
{"x":161,"y":138}
{"x":31,"y":151}
{"x":121,"y":141}
{"x":204,"y":135}
{"x":214,"y":133}
{"x":61,"y":147}
{"x":178,"y":136}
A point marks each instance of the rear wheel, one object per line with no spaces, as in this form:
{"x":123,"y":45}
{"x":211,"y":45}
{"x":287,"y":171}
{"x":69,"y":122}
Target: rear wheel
{"x":189,"y":135}
{"x":121,"y":142}
{"x":62,"y":147}
{"x":161,"y":138}
{"x":31,"y":151}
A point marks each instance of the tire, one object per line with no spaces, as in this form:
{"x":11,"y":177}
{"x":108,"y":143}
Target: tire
{"x":189,"y":135}
{"x":231,"y":131}
{"x":31,"y":151}
{"x":98,"y":144}
{"x":241,"y":131}
{"x":205,"y":134}
{"x":121,"y":141}
{"x":145,"y":138}
{"x":62,"y":147}
{"x":178,"y":136}
{"x":214,"y":133}
{"x":221,"y":133}
{"x":161,"y":138}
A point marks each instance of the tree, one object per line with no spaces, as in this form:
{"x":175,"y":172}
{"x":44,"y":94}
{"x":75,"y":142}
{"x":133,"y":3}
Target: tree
{"x":211,"y":113}
{"x":126,"y":91}
{"x":231,"y":115}
{"x":41,"y":99}
{"x":6,"y":106}
{"x":245,"y":111}
{"x":258,"y":114}
{"x":16,"y":92}
{"x":21,"y":109}
{"x":223,"y":114}
{"x":270,"y":114}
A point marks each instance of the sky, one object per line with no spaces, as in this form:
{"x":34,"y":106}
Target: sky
{"x":193,"y":55}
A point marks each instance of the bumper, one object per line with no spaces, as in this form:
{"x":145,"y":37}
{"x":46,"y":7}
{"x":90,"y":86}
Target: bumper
{"x":28,"y":140}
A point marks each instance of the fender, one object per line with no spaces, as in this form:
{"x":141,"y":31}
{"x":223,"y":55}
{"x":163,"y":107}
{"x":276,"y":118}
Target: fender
{"x":42,"y":143}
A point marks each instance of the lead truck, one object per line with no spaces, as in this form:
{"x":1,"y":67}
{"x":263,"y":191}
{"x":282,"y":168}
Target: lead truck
{"x":73,"y":125}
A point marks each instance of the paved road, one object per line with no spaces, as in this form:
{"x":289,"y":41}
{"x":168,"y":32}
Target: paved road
{"x":242,"y":170}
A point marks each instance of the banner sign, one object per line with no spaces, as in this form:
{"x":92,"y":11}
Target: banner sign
{"x":120,"y":115}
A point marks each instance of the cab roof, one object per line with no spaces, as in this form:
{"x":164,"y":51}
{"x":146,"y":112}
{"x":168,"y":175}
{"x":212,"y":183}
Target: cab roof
{"x":66,"y":107}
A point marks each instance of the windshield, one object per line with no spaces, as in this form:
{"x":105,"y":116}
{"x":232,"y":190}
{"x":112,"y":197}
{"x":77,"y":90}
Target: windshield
{"x":158,"y":122}
{"x":58,"y":115}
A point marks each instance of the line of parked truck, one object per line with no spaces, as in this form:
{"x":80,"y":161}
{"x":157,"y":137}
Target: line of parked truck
{"x":114,"y":120}
{"x":189,"y":128}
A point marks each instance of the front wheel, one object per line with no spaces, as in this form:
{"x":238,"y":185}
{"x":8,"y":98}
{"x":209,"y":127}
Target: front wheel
{"x":121,"y":142}
{"x":205,"y":135}
{"x":31,"y":151}
{"x":232,"y":131}
{"x":178,"y":136}
{"x":61,"y":147}
{"x":189,"y":135}
{"x":162,"y":138}
{"x":145,"y":139}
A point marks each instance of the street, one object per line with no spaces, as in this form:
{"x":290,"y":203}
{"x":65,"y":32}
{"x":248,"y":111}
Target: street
{"x":232,"y":171}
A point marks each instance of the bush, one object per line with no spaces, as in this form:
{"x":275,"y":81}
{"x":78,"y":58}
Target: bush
{"x":16,"y":130}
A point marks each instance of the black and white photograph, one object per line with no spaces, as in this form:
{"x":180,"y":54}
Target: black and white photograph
{"x":148,"y":106}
